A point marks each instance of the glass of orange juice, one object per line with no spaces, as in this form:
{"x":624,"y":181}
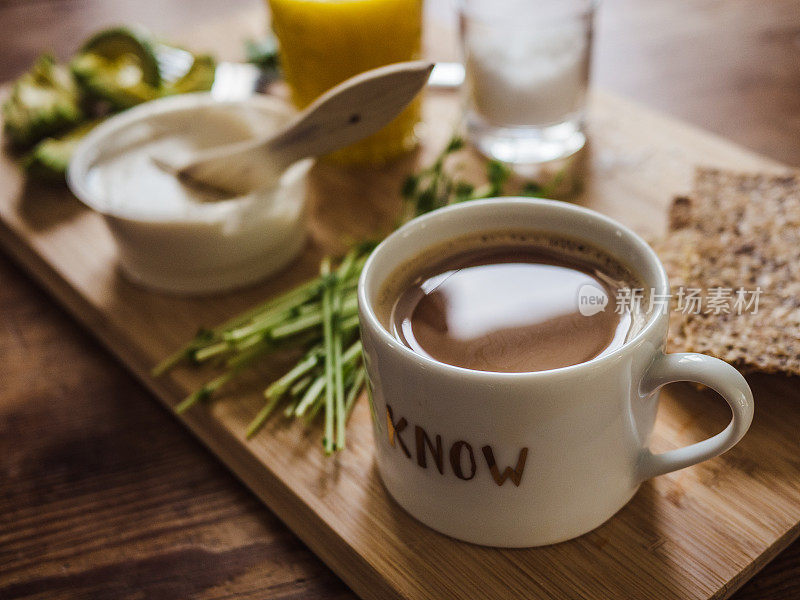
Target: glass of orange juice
{"x":324,"y":42}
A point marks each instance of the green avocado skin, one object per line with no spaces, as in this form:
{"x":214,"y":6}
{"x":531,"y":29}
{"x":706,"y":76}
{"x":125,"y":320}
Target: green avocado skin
{"x":50,"y":158}
{"x":52,"y":106}
{"x":43,"y":102}
{"x":116,"y":41}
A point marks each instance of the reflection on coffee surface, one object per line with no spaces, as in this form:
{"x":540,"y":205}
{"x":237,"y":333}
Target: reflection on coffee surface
{"x":511,"y":302}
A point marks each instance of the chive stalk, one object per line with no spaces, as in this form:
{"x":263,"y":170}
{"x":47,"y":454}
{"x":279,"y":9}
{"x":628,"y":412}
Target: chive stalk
{"x":319,"y":318}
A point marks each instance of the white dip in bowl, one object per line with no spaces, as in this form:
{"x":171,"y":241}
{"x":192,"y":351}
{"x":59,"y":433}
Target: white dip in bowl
{"x":171,"y":237}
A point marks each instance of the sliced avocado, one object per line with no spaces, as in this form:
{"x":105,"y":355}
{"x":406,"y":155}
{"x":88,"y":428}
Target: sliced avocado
{"x":119,"y":65}
{"x":118,"y":81}
{"x":43,"y":102}
{"x":114,"y":43}
{"x":50,"y":158}
{"x":199,"y":77}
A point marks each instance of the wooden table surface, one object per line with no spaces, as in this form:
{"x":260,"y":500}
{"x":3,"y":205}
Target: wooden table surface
{"x":102,"y":492}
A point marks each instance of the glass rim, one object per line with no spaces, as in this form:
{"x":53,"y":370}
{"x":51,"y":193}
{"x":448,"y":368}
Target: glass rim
{"x":585,"y":8}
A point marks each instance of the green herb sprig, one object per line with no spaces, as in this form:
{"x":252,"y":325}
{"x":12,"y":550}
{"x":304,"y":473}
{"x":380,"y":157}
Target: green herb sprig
{"x":320,"y":318}
{"x":435,"y":186}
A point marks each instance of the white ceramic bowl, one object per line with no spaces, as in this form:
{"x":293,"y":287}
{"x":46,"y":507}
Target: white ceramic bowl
{"x":215,"y":246}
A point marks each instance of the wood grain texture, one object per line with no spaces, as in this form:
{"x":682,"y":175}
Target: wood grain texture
{"x":103,"y":495}
{"x":695,"y":534}
{"x":731,"y":67}
{"x":738,"y":75}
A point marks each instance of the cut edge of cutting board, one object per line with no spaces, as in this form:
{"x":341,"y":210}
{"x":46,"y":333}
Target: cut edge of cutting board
{"x":354,"y":568}
{"x":256,"y":476}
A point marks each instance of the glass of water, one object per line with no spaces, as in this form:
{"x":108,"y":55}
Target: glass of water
{"x":527,"y":67}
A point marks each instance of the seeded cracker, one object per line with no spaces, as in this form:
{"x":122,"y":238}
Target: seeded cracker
{"x":738,"y":231}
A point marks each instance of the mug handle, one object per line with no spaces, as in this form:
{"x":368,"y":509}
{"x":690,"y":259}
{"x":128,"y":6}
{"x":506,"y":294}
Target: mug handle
{"x":719,"y":376}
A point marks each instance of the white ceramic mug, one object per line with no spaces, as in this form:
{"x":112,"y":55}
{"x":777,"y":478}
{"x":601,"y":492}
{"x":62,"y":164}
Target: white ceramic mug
{"x":526,"y":459}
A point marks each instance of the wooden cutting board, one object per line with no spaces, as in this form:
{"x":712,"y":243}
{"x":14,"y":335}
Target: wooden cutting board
{"x":697,"y":533}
